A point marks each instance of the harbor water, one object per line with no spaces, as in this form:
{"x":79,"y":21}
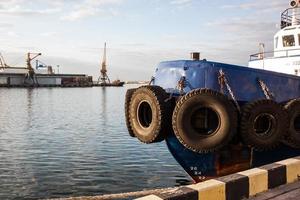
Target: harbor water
{"x":63,"y":142}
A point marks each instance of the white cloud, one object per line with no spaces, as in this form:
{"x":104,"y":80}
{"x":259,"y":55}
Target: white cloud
{"x":180,"y":2}
{"x":49,"y":34}
{"x":73,"y":9}
{"x":6,"y":25}
{"x":273,"y":6}
{"x":12,"y":34}
{"x":90,"y":8}
{"x":241,"y":35}
{"x":22,"y":7}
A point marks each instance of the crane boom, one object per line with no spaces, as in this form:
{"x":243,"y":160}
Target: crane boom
{"x":2,"y":62}
{"x":103,"y":69}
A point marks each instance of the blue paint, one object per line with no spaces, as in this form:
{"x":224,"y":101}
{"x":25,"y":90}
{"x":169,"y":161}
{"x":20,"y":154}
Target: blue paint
{"x":245,"y":86}
{"x":243,"y":80}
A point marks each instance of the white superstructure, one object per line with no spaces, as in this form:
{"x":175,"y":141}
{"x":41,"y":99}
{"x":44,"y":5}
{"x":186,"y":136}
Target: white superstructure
{"x":286,"y":55}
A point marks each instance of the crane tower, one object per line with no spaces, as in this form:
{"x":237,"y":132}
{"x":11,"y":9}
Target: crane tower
{"x":103,"y":78}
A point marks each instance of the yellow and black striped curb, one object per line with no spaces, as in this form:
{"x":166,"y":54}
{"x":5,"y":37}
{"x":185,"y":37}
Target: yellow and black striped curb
{"x":237,"y":186}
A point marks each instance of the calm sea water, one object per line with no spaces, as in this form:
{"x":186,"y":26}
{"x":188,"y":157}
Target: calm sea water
{"x":60,"y":142}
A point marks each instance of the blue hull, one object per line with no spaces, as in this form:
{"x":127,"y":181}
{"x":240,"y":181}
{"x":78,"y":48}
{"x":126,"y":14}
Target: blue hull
{"x":244,"y":84}
{"x":243,"y":80}
{"x":229,"y":160}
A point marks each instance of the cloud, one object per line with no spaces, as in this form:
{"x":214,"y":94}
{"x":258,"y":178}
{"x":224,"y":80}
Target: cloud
{"x":90,"y":8}
{"x":22,"y":7}
{"x":73,"y":9}
{"x":12,"y":34}
{"x":180,"y":2}
{"x":270,"y":6}
{"x":244,"y":25}
{"x":48,"y":34}
{"x":6,"y":25}
{"x":24,"y":11}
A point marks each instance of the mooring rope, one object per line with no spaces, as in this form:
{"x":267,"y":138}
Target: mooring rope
{"x":127,"y":195}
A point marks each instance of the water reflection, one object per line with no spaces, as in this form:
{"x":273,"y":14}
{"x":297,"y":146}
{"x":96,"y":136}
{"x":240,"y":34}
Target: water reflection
{"x":29,"y":93}
{"x":103,"y":105}
{"x":70,"y":142}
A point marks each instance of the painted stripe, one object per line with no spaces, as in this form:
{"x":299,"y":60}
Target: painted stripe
{"x":276,"y":175}
{"x":210,"y":190}
{"x":258,"y":180}
{"x":150,"y":197}
{"x":292,"y":169}
{"x":182,"y":193}
{"x":237,"y":186}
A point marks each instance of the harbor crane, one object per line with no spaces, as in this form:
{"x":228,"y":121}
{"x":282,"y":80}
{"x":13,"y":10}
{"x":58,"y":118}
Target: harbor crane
{"x":2,"y":62}
{"x":103,"y":78}
{"x":30,"y":76}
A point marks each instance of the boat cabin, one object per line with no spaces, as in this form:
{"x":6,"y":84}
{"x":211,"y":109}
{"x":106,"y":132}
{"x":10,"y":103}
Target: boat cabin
{"x":285,"y":57}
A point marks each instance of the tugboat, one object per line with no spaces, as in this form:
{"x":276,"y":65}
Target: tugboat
{"x":219,"y":118}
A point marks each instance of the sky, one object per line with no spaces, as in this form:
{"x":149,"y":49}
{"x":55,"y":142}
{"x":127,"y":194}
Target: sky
{"x":139,"y":33}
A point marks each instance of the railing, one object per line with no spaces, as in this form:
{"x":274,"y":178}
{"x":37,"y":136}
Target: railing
{"x":288,"y":15}
{"x":276,"y":54}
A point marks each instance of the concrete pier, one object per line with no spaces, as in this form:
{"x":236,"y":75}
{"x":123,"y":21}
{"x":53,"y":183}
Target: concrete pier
{"x":243,"y":185}
{"x":45,"y":80}
{"x":284,"y":192}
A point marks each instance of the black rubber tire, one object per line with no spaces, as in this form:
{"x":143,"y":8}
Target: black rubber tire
{"x":185,"y":122}
{"x":293,"y":137}
{"x":150,"y":102}
{"x":128,"y":96}
{"x":259,"y":111}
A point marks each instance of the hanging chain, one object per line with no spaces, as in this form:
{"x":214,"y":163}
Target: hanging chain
{"x":152,"y":80}
{"x":268,"y":94}
{"x":181,"y":85}
{"x":223,"y":81}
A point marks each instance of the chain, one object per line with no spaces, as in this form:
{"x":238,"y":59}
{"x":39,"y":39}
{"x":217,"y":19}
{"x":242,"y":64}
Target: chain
{"x":152,"y":80}
{"x":268,"y":94}
{"x":181,"y":85}
{"x":223,"y":81}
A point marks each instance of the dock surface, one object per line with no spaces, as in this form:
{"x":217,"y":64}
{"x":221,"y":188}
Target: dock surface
{"x":285,"y":192}
{"x":275,"y":180}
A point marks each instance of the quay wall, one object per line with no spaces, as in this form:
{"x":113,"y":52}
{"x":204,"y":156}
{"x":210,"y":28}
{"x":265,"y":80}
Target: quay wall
{"x":44,"y":80}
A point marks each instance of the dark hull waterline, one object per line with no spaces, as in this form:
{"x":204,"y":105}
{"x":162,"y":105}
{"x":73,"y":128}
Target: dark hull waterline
{"x":232,"y":159}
